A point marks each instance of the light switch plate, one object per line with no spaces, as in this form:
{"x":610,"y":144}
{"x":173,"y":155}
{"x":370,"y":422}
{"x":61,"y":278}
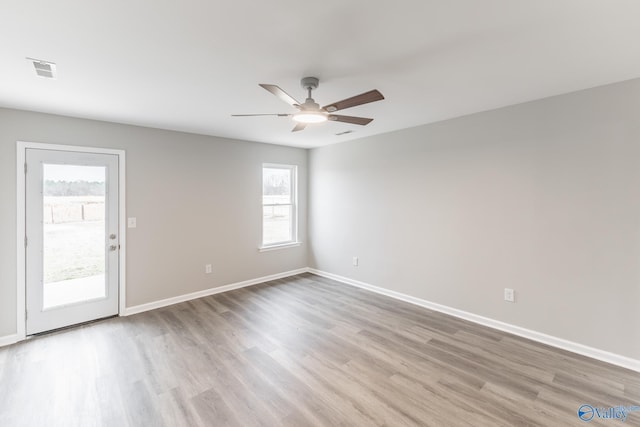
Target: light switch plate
{"x":509,"y":295}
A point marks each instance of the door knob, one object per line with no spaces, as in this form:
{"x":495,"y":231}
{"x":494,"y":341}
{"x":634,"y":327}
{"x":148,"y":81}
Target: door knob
{"x":113,"y":247}
{"x":112,"y":236}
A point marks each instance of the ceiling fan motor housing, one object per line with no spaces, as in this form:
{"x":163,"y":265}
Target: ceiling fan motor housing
{"x":310,"y":105}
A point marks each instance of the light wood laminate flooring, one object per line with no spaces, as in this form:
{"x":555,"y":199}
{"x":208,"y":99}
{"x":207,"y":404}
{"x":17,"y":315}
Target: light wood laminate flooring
{"x":301,"y":351}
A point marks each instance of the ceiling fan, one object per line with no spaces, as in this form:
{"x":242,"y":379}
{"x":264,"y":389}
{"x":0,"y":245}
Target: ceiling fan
{"x":310,"y":111}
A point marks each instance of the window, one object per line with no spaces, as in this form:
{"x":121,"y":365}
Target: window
{"x":279,"y":210}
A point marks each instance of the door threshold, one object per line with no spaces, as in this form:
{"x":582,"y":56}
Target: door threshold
{"x":64,"y":328}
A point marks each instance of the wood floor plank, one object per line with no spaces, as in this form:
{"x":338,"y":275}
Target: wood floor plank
{"x":300,"y":351}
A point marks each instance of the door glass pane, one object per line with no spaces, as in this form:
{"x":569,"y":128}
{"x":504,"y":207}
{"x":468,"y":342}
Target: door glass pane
{"x":74,"y":238}
{"x":276,"y":222}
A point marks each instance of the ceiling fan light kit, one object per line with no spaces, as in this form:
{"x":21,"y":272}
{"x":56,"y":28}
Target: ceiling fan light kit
{"x":310,"y":117}
{"x":311,"y":112}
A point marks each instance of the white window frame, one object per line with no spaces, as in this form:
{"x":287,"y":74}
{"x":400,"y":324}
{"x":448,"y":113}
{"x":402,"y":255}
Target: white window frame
{"x":294,"y":208}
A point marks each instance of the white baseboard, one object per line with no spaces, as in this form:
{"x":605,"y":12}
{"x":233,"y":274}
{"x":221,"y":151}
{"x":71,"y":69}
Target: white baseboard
{"x":212,"y":291}
{"x":8,"y":340}
{"x":594,"y":353}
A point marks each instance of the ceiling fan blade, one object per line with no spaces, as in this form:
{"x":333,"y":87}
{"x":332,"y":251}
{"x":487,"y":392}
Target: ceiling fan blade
{"x":253,"y":115}
{"x":299,"y":127}
{"x":280,"y":94}
{"x":350,"y":119}
{"x":363,"y":98}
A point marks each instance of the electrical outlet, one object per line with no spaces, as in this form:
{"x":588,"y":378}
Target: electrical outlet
{"x":355,"y":261}
{"x":207,"y":268}
{"x":131,"y":222}
{"x":509,"y":295}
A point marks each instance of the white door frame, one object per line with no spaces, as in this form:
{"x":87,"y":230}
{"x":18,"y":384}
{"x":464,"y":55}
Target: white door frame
{"x":22,"y":146}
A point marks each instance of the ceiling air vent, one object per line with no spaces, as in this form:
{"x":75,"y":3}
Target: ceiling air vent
{"x":344,"y":133}
{"x":44,"y":69}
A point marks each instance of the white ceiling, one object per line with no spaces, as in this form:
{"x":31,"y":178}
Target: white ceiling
{"x":189,"y":65}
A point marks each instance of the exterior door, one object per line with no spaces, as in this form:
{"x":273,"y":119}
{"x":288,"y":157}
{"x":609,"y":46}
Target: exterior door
{"x":72,"y":240}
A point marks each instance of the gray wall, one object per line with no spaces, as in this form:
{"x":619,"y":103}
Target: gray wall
{"x":542,"y":197}
{"x":197,"y":200}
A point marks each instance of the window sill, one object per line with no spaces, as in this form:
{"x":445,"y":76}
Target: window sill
{"x":281,"y":246}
